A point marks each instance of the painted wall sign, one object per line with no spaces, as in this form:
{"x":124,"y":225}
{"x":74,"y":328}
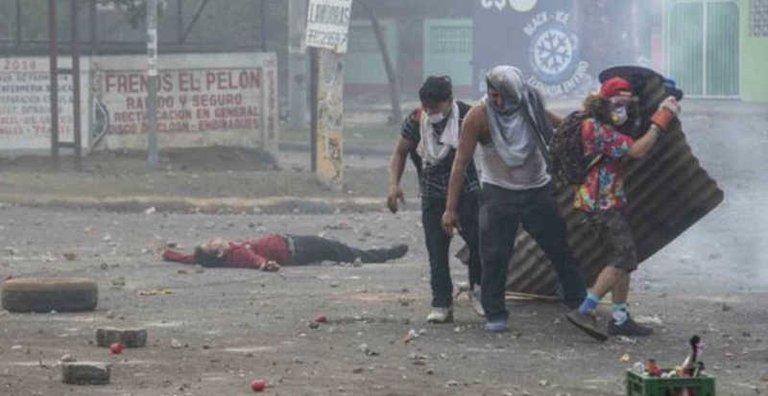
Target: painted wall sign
{"x":229,"y":98}
{"x":25,"y":111}
{"x":536,"y":36}
{"x":203,"y":99}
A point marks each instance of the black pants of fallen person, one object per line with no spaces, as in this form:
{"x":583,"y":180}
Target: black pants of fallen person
{"x":501,"y":212}
{"x":314,"y":249}
{"x":438,"y":244}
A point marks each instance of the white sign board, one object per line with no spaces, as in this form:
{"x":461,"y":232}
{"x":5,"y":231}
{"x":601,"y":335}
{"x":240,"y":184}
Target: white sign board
{"x":328,"y":24}
{"x":25,"y":107}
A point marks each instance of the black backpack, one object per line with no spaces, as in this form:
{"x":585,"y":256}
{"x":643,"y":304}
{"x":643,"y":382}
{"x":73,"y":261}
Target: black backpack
{"x":569,"y":163}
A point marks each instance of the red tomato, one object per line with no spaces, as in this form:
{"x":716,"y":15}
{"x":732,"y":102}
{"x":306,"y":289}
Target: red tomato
{"x":258,"y":385}
{"x":116,"y":348}
{"x":321,"y":319}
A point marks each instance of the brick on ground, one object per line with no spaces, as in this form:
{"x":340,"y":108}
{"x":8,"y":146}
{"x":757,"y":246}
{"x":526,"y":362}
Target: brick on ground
{"x":130,"y":338}
{"x":85,"y":373}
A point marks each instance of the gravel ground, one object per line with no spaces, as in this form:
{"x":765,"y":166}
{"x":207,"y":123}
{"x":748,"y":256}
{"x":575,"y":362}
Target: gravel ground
{"x":235,"y":325}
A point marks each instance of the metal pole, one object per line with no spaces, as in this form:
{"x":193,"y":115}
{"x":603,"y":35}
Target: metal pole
{"x":53,"y":56}
{"x":152,"y":158}
{"x":94,"y":25}
{"x":18,"y":24}
{"x":179,"y":22}
{"x":297,"y":65}
{"x":75,"y":10}
{"x":263,"y":25}
{"x":314,"y":78}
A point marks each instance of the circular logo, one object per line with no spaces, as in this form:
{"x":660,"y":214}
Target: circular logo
{"x":553,"y":53}
{"x":523,"y":5}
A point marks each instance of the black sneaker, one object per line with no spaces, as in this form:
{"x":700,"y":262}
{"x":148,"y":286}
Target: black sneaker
{"x":397,"y":251}
{"x":629,"y":328}
{"x":586,"y":323}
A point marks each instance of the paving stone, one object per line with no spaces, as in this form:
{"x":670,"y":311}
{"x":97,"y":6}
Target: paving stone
{"x":85,"y":373}
{"x":131,"y":338}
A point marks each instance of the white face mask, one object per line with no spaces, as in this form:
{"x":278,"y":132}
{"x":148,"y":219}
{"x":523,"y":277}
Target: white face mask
{"x":436,"y":118}
{"x":619,"y":115}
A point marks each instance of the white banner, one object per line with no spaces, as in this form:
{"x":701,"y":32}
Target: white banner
{"x":328,"y":24}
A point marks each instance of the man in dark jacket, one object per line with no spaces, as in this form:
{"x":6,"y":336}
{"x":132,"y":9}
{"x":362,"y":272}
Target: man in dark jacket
{"x":431,"y":134}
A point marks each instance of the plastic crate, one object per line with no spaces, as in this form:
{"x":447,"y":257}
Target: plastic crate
{"x":643,"y":385}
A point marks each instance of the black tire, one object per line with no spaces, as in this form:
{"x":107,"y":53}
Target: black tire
{"x":50,"y":294}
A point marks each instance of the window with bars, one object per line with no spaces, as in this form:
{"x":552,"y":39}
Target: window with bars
{"x":758,"y":20}
{"x":451,"y":39}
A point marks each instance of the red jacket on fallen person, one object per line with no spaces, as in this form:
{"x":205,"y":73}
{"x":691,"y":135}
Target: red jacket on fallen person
{"x":248,"y":254}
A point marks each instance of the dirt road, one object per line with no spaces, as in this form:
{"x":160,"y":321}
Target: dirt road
{"x":235,"y":325}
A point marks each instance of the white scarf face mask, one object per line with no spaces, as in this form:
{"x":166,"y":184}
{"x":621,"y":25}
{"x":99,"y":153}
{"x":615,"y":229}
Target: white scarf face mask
{"x":434,"y":148}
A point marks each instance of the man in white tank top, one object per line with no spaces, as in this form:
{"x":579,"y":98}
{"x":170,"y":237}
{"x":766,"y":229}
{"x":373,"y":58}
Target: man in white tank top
{"x":513,"y":130}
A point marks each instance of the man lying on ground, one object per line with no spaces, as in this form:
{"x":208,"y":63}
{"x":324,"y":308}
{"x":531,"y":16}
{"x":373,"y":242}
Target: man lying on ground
{"x":270,"y":252}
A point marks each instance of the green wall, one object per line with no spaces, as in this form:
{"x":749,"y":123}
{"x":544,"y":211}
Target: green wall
{"x":754,"y":61}
{"x":362,"y":63}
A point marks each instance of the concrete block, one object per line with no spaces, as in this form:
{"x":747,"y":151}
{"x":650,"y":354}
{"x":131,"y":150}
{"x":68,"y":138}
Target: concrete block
{"x":85,"y":373}
{"x":131,"y":338}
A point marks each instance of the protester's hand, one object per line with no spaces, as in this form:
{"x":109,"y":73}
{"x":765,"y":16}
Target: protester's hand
{"x":395,"y":195}
{"x":270,"y":266}
{"x":668,"y":111}
{"x":450,"y":222}
{"x":671,"y":104}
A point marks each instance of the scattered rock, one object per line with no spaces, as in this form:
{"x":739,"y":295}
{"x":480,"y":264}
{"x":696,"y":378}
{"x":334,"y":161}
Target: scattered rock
{"x":70,"y":256}
{"x":452,"y":384}
{"x":655,"y":319}
{"x":626,"y":340}
{"x":67,"y":358}
{"x":150,"y":210}
{"x":182,"y":272}
{"x":85,"y":373}
{"x":410,"y":336}
{"x":357,"y":263}
{"x":334,"y":285}
{"x":358,"y":370}
{"x":544,"y":382}
{"x":367,"y":351}
{"x":175,"y":344}
{"x":624,"y":358}
{"x":314,"y":325}
{"x":118,"y":282}
{"x":725,"y":307}
{"x":104,"y":266}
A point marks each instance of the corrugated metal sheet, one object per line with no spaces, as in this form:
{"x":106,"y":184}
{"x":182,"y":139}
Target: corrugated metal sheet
{"x":668,"y":192}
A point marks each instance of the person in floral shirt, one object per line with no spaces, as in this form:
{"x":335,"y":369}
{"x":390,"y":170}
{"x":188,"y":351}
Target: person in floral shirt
{"x":603,"y":187}
{"x":602,"y":198}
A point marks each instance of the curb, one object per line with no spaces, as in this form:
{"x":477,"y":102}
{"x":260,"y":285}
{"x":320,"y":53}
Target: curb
{"x":224,"y":205}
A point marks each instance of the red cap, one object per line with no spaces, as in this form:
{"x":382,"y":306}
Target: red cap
{"x":614,"y":87}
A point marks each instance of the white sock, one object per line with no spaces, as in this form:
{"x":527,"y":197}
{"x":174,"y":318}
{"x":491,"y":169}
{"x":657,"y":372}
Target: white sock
{"x":619,"y":313}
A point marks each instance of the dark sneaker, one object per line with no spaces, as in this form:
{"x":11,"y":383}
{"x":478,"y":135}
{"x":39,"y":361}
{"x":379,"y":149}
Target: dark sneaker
{"x":397,"y":251}
{"x":629,"y":328}
{"x":586,"y":323}
{"x":496,"y":326}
